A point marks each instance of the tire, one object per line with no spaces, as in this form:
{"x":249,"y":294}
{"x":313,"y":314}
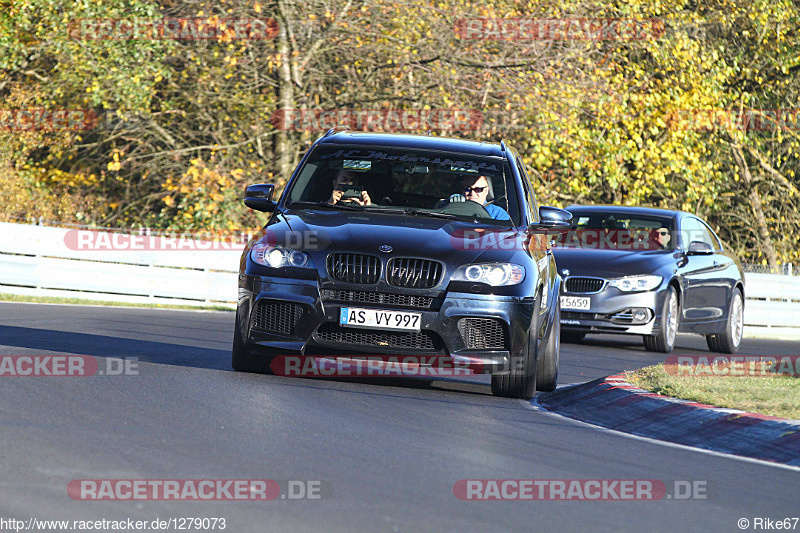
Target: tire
{"x":547,"y":365}
{"x":664,"y":339}
{"x":520,"y":382}
{"x":572,"y":336}
{"x":242,"y":359}
{"x":729,"y":340}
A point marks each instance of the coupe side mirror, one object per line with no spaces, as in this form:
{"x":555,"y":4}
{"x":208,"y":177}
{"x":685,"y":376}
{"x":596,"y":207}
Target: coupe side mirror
{"x":699,"y":248}
{"x":259,"y":197}
{"x":552,"y":220}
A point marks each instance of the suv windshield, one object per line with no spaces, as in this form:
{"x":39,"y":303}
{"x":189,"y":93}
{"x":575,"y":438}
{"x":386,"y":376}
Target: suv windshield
{"x":618,"y":231}
{"x":412,"y":182}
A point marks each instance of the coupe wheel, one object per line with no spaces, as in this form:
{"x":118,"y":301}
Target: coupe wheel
{"x":520,"y":382}
{"x":728,"y":341}
{"x":664,"y":339}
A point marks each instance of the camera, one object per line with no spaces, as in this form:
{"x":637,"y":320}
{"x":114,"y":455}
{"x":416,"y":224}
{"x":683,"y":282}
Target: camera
{"x":351,"y":191}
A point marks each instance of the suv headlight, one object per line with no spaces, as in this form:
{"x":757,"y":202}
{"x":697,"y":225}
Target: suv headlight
{"x":494,"y":274}
{"x":278,"y":256}
{"x":636,"y":283}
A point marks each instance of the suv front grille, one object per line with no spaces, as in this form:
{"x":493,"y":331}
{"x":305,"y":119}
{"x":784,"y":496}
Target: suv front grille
{"x":420,"y":340}
{"x":277,"y":317}
{"x":584,"y":285}
{"x":354,"y":268}
{"x":413,"y":273}
{"x":394,"y":300}
{"x":482,"y":333}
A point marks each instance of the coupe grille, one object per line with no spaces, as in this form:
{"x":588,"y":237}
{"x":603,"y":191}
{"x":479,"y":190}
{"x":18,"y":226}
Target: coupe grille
{"x":482,"y":333}
{"x":277,"y":317}
{"x":584,"y":285}
{"x":421,"y":340}
{"x":577,"y":315}
{"x":393,"y":300}
{"x":354,"y":268}
{"x":413,"y":273}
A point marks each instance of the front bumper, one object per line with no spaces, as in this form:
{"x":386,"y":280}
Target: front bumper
{"x":308,"y":323}
{"x":611,"y":311}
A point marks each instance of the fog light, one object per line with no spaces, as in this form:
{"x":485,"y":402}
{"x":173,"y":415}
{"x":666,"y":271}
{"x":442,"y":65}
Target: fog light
{"x":640,"y":315}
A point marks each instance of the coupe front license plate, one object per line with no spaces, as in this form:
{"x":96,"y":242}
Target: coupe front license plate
{"x":575,"y":302}
{"x":355,"y":317}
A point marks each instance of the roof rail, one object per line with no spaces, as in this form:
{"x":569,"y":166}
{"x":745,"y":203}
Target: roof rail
{"x":503,"y":145}
{"x":336,"y":129}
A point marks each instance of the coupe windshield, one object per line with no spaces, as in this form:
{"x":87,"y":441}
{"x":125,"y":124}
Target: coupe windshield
{"x":410,"y":182}
{"x":618,"y":231}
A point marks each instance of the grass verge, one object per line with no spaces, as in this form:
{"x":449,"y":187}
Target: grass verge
{"x":81,"y":301}
{"x":770,"y":394}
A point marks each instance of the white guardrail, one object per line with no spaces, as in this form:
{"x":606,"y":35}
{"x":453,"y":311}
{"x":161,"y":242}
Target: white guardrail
{"x":772,"y":300}
{"x":45,"y":261}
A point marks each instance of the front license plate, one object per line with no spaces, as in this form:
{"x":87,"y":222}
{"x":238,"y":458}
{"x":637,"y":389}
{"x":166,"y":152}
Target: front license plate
{"x":355,"y":317}
{"x":575,"y":302}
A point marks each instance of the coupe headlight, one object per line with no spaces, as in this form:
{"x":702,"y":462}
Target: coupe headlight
{"x":494,"y":274}
{"x":278,"y":256}
{"x":636,"y":283}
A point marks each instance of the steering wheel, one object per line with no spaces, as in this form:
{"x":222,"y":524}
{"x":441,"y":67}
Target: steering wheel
{"x":466,"y":208}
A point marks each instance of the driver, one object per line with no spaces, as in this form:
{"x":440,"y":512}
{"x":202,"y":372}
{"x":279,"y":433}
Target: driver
{"x":477,"y":190}
{"x":662,"y":237}
{"x":344,"y":180}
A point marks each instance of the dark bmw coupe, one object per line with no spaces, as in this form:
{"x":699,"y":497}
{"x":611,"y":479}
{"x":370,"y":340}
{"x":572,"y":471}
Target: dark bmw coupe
{"x":648,"y":272}
{"x":402,"y":244}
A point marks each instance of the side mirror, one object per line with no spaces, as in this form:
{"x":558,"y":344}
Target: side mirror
{"x":552,"y":220}
{"x":259,"y":197}
{"x":700,"y":248}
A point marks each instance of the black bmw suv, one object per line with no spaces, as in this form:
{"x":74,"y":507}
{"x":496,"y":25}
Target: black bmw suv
{"x":405,"y":244}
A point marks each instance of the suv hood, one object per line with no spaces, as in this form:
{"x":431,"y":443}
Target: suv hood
{"x":321,"y":231}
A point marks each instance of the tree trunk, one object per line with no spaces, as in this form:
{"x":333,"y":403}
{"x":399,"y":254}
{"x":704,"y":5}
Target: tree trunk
{"x":286,"y":98}
{"x":755,"y":201}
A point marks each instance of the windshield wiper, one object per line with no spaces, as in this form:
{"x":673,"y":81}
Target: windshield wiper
{"x":416,"y":212}
{"x":436,"y":214}
{"x":345,"y":207}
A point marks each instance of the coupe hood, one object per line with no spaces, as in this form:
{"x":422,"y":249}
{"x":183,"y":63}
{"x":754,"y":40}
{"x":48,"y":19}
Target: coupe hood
{"x":611,"y":263}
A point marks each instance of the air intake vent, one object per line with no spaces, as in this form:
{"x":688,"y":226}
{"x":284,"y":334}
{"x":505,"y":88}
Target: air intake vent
{"x":354,"y":268}
{"x":277,"y":317}
{"x":482,"y":333}
{"x":379,"y":298}
{"x":419,"y":340}
{"x":413,"y":273}
{"x":584,"y":285}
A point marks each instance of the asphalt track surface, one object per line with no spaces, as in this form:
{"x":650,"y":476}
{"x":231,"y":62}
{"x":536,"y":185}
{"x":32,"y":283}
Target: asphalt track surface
{"x":388,"y":452}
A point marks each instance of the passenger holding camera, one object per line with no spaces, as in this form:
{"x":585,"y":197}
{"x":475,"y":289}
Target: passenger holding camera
{"x":347,"y":189}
